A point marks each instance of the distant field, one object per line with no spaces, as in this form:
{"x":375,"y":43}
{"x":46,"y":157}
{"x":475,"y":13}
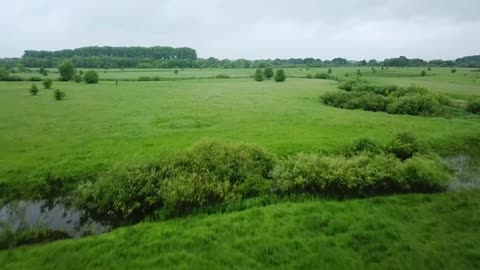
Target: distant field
{"x":98,"y":125}
{"x":464,"y":81}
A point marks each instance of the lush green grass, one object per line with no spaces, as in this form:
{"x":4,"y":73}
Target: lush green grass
{"x":98,"y":125}
{"x":399,"y":232}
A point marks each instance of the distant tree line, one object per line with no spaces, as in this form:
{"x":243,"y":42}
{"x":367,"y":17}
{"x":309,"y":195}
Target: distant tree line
{"x":169,"y":57}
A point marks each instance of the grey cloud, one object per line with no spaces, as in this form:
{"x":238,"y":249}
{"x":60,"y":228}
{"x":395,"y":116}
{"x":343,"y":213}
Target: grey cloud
{"x":249,"y":29}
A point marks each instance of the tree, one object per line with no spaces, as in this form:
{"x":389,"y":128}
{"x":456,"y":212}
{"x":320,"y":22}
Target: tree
{"x":454,"y":70}
{"x":91,"y":77}
{"x":258,"y":75}
{"x":329,"y":71}
{"x":359,"y":73}
{"x":3,"y":74}
{"x":280,"y":75}
{"x":33,"y":90}
{"x":47,"y":83}
{"x":268,"y":72}
{"x":66,"y":70}
{"x":175,"y":72}
{"x":423,"y":73}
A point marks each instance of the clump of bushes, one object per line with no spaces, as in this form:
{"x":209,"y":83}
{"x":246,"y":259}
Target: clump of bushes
{"x":58,"y":95}
{"x":91,"y":77}
{"x":209,"y":174}
{"x":47,"y":83}
{"x":473,"y":106}
{"x":222,"y":76}
{"x":410,"y":100}
{"x":404,"y":145}
{"x":33,"y":90}
{"x":144,"y":78}
{"x":308,"y":76}
{"x":77,"y":78}
{"x":360,"y":175}
{"x":322,"y":76}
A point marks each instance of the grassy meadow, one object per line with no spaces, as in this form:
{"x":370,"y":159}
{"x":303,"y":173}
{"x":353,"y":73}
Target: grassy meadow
{"x":122,"y":120}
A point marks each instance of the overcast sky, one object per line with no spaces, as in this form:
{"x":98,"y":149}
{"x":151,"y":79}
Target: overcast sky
{"x":254,"y":29}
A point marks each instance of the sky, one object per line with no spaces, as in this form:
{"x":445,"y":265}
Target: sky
{"x":260,"y":29}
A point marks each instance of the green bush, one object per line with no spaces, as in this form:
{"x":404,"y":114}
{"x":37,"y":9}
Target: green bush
{"x":308,"y":76}
{"x":280,"y":75}
{"x":58,"y":95}
{"x":91,"y":77}
{"x":366,"y":101}
{"x":33,"y":90}
{"x":365,"y":145}
{"x":425,"y":174}
{"x":144,"y":78}
{"x":77,"y":78}
{"x":258,"y":76}
{"x":47,"y":83}
{"x":222,"y":76}
{"x":404,"y":145}
{"x":4,"y":74}
{"x":268,"y":73}
{"x":322,"y":76}
{"x":411,"y":90}
{"x":125,"y":192}
{"x":416,"y":104}
{"x":454,"y":70}
{"x":35,"y":79}
{"x":473,"y":106}
{"x":423,"y":73}
{"x":66,"y":70}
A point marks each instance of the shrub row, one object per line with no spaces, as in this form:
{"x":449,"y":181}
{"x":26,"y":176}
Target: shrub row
{"x":212,"y":173}
{"x":411,"y":100}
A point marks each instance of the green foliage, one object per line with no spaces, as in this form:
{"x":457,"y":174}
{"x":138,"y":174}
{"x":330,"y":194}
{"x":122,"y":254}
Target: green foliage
{"x":10,"y":238}
{"x":365,"y":145}
{"x":268,"y":73}
{"x":280,"y":75}
{"x":35,"y":79}
{"x":454,"y":70}
{"x":222,"y":76}
{"x":91,"y":77}
{"x":58,"y":95}
{"x":404,"y":145}
{"x":360,"y":175}
{"x":423,"y":73}
{"x":66,"y":70}
{"x":175,"y":72}
{"x":322,"y":76}
{"x":258,"y":76}
{"x":329,"y":71}
{"x":47,"y":83}
{"x":4,"y":75}
{"x":416,"y":104}
{"x":33,"y":90}
{"x":144,"y":79}
{"x":473,"y":105}
{"x":308,"y":76}
{"x":77,"y":78}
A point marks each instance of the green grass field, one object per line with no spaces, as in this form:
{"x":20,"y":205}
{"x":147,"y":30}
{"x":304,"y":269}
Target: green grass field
{"x":98,"y":126}
{"x":398,"y":232}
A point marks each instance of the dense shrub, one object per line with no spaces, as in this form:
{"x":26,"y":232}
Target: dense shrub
{"x":423,"y":73}
{"x":308,"y":76}
{"x":411,"y":90}
{"x":337,"y":176}
{"x":3,"y":74}
{"x":124,"y":192}
{"x":222,"y":76}
{"x":144,"y":78}
{"x":35,"y":79}
{"x":454,"y":70}
{"x":322,"y":76}
{"x":415,"y":104}
{"x":33,"y":90}
{"x":365,"y":145}
{"x":473,"y":106}
{"x":77,"y":78}
{"x":366,"y":101}
{"x":280,"y":75}
{"x":47,"y":83}
{"x":425,"y":174}
{"x":91,"y":77}
{"x":404,"y":145}
{"x":58,"y":95}
{"x":258,"y":76}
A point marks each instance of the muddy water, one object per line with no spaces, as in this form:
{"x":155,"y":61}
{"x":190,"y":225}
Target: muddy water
{"x":57,"y":217}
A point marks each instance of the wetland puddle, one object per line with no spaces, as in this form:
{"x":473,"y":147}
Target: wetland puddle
{"x":57,"y":217}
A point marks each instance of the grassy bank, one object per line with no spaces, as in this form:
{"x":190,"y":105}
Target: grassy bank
{"x":438,"y":231}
